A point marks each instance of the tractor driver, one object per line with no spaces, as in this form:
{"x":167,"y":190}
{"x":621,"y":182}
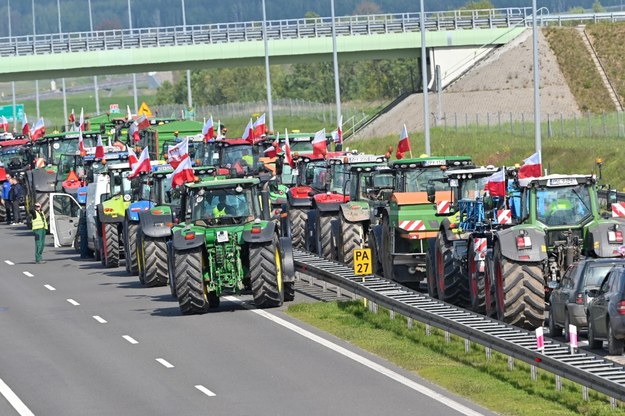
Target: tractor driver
{"x":244,"y":163}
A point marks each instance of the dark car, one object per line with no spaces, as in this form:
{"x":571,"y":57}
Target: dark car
{"x":606,"y":313}
{"x":569,"y":299}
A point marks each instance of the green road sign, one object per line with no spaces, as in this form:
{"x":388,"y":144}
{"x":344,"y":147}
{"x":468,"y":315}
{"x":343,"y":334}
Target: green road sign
{"x":7,"y":111}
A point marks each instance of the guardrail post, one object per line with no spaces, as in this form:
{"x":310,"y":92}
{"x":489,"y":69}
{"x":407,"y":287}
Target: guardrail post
{"x":467,"y":346}
{"x":489,"y":353}
{"x":533,"y":371}
{"x":613,"y":403}
{"x":391,"y":315}
{"x":428,"y":330}
{"x":338,"y":292}
{"x":324,"y":286}
{"x":510,"y":363}
{"x":409,"y":323}
{"x":585,"y":393}
{"x":558,"y":383}
{"x":447,"y":337}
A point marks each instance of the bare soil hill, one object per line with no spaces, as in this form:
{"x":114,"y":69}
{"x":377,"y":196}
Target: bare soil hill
{"x":497,"y":89}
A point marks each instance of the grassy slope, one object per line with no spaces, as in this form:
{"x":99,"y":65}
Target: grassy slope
{"x":608,"y":41}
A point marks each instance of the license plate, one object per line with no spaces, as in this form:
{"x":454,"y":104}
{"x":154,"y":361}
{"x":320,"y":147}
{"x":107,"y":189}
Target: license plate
{"x":222,"y":236}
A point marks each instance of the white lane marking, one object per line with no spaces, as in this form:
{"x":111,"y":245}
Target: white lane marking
{"x":29,"y":274}
{"x":9,"y":262}
{"x":73,"y":302}
{"x":130,"y":339}
{"x":205,"y":390}
{"x":49,"y":287}
{"x":165,"y":363}
{"x":99,"y":319}
{"x":15,"y":401}
{"x":364,"y":361}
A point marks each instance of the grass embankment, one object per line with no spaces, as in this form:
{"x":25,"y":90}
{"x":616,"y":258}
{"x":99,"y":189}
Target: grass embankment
{"x":608,"y":41}
{"x":487,"y":382}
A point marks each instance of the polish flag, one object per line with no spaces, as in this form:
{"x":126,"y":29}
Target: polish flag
{"x":133,"y":131}
{"x":320,"y":144}
{"x":260,"y":127}
{"x":248,"y":134}
{"x":219,"y":136}
{"x":176,"y":153}
{"x":81,"y":144}
{"x":208,"y":130}
{"x":142,"y":165}
{"x":532,"y":167}
{"x":25,"y":126}
{"x":496,"y":185}
{"x":338,"y":139}
{"x":72,"y":117}
{"x":99,"y":148}
{"x":271,"y":151}
{"x":39,"y":129}
{"x":404,"y":144}
{"x":287,"y":149}
{"x":142,"y":122}
{"x":128,"y":113}
{"x":5,"y":123}
{"x":132,"y":157}
{"x":182,"y":174}
{"x":81,"y":120}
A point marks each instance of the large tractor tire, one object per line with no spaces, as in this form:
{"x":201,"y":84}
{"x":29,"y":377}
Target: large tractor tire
{"x":451,"y":285}
{"x":190,"y":288}
{"x":477,"y":292}
{"x":391,"y":271}
{"x":298,"y":217}
{"x":155,"y":262}
{"x":130,"y":248}
{"x":375,"y":254}
{"x":323,"y":235}
{"x":519,"y":291}
{"x":489,"y":293}
{"x":110,"y":241}
{"x":266,"y":274}
{"x":3,"y":212}
{"x":350,"y":237}
{"x":430,"y":268}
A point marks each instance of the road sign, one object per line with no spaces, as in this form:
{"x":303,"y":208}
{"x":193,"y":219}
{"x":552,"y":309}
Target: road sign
{"x":144,"y":110}
{"x":114,"y":108}
{"x":7,"y":111}
{"x":362,"y":261}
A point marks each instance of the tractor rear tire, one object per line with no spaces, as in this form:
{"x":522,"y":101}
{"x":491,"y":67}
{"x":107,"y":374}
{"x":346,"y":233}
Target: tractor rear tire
{"x":110,"y":239}
{"x":477,"y":292}
{"x":430,"y":269}
{"x":519,"y":292}
{"x":323,"y":235}
{"x":298,"y":217}
{"x":386,"y":249}
{"x":289,"y":291}
{"x":451,"y":285}
{"x":155,"y":262}
{"x":266,"y":274}
{"x":349,"y":239}
{"x":131,"y":249}
{"x":375,"y":255}
{"x":190,"y":287}
{"x":489,"y":295}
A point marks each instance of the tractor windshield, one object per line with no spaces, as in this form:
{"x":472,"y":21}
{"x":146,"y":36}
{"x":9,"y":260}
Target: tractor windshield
{"x":67,"y":146}
{"x":569,"y":205}
{"x":301,"y":147}
{"x":206,"y":154}
{"x":473,"y":188}
{"x":372,"y":185}
{"x":339,"y":176}
{"x":312,"y":173}
{"x":120,"y":184}
{"x":164,"y":193}
{"x":242,"y":158}
{"x":417,"y":180}
{"x":14,"y":158}
{"x":223,"y":204}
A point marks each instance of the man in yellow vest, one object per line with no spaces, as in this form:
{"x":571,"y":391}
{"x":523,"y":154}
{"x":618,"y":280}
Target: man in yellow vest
{"x":39,"y":227}
{"x":220,"y":209}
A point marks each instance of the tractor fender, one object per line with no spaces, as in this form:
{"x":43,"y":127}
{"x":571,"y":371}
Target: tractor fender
{"x":598,"y":239}
{"x":376,"y":232}
{"x":107,"y":219}
{"x":328,"y":206}
{"x":136,"y":207}
{"x":266,"y":234}
{"x":181,"y":243}
{"x":357,"y":214}
{"x":153,"y":225}
{"x":299,"y":202}
{"x":288,"y":264}
{"x":507,"y":240}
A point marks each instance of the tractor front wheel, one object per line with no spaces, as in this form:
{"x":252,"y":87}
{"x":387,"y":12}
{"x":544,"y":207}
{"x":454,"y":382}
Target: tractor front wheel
{"x":190,"y":287}
{"x":110,"y":241}
{"x":349,"y":238}
{"x":266,"y":274}
{"x":155,"y":261}
{"x":130,"y":248}
{"x":323,"y":235}
{"x":298,"y":217}
{"x":451,"y":284}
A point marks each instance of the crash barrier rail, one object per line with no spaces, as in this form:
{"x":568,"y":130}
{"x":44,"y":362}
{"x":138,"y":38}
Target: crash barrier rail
{"x":288,"y":29}
{"x":582,"y":367}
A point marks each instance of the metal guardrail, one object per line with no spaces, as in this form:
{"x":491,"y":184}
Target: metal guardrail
{"x":581,"y":367}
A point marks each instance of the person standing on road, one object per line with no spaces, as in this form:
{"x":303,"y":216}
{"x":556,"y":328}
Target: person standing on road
{"x":6,"y":188}
{"x":39,"y":227}
{"x":16,"y":195}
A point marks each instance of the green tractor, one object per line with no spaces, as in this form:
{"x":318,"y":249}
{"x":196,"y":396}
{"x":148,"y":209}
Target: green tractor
{"x":228,"y":244}
{"x":410,"y":222}
{"x":560,"y":221}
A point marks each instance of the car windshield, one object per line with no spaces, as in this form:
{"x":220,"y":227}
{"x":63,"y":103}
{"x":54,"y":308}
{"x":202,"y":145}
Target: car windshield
{"x":208,"y":204}
{"x":568,"y":205}
{"x":595,"y":274}
{"x":417,"y":180}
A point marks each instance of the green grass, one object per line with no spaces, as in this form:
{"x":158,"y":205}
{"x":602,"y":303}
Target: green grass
{"x":487,"y":382}
{"x":608,"y":41}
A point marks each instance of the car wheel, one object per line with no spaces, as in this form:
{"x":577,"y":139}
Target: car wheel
{"x":592,"y":342}
{"x":554,"y":330}
{"x":615,"y":346}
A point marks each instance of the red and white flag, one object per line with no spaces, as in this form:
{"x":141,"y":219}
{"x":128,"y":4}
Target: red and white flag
{"x":133,"y":131}
{"x":320,"y":144}
{"x":142,"y":122}
{"x":81,"y":120}
{"x":5,"y":123}
{"x":81,"y":144}
{"x":404,"y":144}
{"x":99,"y":148}
{"x":132,"y":157}
{"x":248,"y":134}
{"x":142,"y":165}
{"x":25,"y":126}
{"x":496,"y":185}
{"x":182,"y":174}
{"x":208,"y":130}
{"x":72,"y":117}
{"x":219,"y":136}
{"x":39,"y":129}
{"x":260,"y":127}
{"x":271,"y":151}
{"x":176,"y":153}
{"x":338,"y":138}
{"x":128,"y":113}
{"x":532,"y":167}
{"x":287,"y":149}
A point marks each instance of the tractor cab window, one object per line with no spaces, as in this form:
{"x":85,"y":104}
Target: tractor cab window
{"x":240,"y":158}
{"x":120,"y":184}
{"x":140,"y":186}
{"x":225,"y":205}
{"x":67,"y":146}
{"x":301,"y":147}
{"x":566,"y":205}
{"x":312,"y":171}
{"x":339,"y":176}
{"x":417,"y":180}
{"x":473,"y":188}
{"x":165,"y":194}
{"x":376,"y":185}
{"x":205,"y":153}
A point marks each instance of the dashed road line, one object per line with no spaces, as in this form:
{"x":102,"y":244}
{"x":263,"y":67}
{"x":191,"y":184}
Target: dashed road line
{"x":99,"y":319}
{"x":73,"y":302}
{"x":165,"y":363}
{"x":9,"y":262}
{"x":130,"y":339}
{"x":29,"y":274}
{"x":49,"y":287}
{"x":15,"y":401}
{"x":205,"y":390}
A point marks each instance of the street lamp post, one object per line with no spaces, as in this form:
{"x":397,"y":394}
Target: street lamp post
{"x":134,"y":76}
{"x":424,"y":76}
{"x":95,"y":77}
{"x":337,"y":91}
{"x":184,"y":26}
{"x":58,"y":9}
{"x":537,"y":133}
{"x":267,"y":70}
{"x":36,"y":81}
{"x":12,"y":82}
